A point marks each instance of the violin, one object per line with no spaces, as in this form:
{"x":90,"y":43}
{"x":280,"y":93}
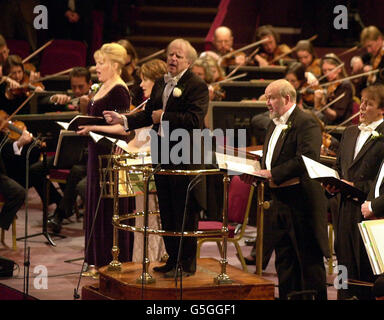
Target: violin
{"x":375,"y":61}
{"x":15,"y":128}
{"x":232,"y":60}
{"x":315,"y":68}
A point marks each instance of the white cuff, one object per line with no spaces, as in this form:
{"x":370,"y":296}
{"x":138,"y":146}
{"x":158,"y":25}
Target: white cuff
{"x":125,"y":123}
{"x":16,"y":149}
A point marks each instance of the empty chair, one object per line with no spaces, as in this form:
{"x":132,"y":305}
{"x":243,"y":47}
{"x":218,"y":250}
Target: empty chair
{"x":239,"y":204}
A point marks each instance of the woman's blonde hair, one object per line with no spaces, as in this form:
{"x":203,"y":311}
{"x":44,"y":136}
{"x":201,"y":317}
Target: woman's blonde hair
{"x":113,"y":52}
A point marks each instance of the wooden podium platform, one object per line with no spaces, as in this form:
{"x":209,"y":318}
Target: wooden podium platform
{"x":122,"y":285}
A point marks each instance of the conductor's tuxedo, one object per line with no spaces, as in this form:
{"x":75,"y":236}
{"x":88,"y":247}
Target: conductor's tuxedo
{"x":185,"y":111}
{"x":298,"y":210}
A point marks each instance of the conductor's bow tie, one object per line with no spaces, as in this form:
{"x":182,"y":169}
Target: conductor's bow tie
{"x":169,"y":79}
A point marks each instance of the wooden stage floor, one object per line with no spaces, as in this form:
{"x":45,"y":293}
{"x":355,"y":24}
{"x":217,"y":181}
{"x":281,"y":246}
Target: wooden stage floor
{"x":123,"y":285}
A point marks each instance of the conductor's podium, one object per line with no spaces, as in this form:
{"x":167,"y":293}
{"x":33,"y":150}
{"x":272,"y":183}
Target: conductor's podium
{"x":123,"y":286}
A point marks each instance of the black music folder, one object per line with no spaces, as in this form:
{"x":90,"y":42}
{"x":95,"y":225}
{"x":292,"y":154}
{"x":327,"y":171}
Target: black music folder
{"x":327,"y":175}
{"x":70,"y":149}
{"x":82,"y":120}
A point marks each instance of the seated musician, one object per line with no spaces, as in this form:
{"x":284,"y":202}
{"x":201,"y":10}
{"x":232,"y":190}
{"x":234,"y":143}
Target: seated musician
{"x":343,"y":108}
{"x":371,"y":39}
{"x":80,"y":81}
{"x":4,"y":50}
{"x":12,"y":191}
{"x":270,"y":49}
{"x":223,"y":43}
{"x":13,"y":157}
{"x":13,"y":94}
{"x":4,"y":54}
{"x":307,"y":56}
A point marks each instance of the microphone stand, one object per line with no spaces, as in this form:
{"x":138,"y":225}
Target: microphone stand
{"x":27,"y":250}
{"x":179,"y":268}
{"x":76,"y":290}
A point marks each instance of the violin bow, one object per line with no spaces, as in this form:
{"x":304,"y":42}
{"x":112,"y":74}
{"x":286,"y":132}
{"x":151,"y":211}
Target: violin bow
{"x":344,"y":122}
{"x":18,"y":109}
{"x":153,"y":55}
{"x":249,"y":46}
{"x":247,"y":59}
{"x":53,"y":75}
{"x":348,"y":51}
{"x":317,"y":112}
{"x":351,"y":77}
{"x":292,"y":50}
{"x":229,"y":79}
{"x":37,"y":51}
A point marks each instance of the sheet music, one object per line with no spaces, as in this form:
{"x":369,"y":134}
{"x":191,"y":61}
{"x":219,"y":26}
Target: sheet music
{"x":237,"y":164}
{"x":65,"y":125}
{"x":318,"y":170}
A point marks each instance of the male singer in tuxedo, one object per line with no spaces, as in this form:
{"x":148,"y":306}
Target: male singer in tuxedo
{"x":180,"y":99}
{"x":360,"y":154}
{"x":373,"y":208}
{"x":298,"y":203}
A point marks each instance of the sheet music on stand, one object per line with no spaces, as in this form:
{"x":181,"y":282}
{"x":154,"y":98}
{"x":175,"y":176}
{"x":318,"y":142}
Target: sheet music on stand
{"x":70,"y":149}
{"x":372,"y":233}
{"x":238,"y":165}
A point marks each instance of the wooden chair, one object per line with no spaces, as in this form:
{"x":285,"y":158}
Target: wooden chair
{"x":2,"y":236}
{"x":239,"y":205}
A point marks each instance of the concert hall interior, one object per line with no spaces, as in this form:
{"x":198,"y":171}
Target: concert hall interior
{"x":97,"y":204}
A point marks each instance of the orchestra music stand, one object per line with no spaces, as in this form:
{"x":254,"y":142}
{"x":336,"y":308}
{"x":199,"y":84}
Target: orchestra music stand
{"x":45,"y":199}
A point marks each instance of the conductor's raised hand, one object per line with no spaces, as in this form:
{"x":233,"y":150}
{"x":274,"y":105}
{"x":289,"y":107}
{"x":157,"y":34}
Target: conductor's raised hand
{"x":113,"y":117}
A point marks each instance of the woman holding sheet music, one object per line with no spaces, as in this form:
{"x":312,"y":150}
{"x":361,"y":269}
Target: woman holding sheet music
{"x":114,"y":95}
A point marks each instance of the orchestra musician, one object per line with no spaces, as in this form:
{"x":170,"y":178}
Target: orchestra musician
{"x":307,"y":56}
{"x":358,"y":161}
{"x":4,"y":54}
{"x":13,"y":95}
{"x":270,"y":49}
{"x":13,"y":192}
{"x":80,"y":83}
{"x":343,"y":108}
{"x":223,"y":43}
{"x":371,"y":39}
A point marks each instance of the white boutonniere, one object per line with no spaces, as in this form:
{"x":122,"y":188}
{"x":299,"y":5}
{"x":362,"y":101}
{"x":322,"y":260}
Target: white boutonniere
{"x":177,"y":92}
{"x":95,"y":87}
{"x":375,"y":135}
{"x":286,"y":127}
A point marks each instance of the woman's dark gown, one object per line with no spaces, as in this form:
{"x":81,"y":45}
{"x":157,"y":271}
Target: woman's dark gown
{"x":101,"y":240}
